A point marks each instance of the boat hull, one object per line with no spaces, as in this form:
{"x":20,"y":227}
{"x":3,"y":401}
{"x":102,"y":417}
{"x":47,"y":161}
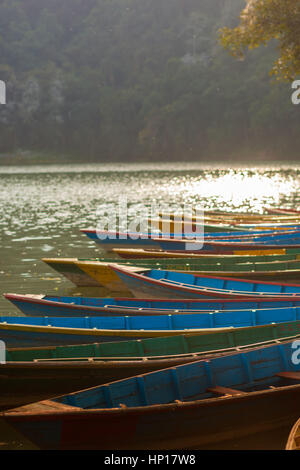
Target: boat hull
{"x":187,"y":344}
{"x":27,"y":382}
{"x":69,"y":269}
{"x":107,"y":278}
{"x":172,"y":426}
{"x":141,"y":288}
{"x":18,"y":335}
{"x":169,"y":284}
{"x":95,"y":272}
{"x":223,"y":247}
{"x":36,"y":306}
{"x":102,"y":272}
{"x":119,"y":240}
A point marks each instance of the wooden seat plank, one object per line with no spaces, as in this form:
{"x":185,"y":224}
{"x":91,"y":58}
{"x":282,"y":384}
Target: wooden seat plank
{"x":289,"y":375}
{"x":225,"y":391}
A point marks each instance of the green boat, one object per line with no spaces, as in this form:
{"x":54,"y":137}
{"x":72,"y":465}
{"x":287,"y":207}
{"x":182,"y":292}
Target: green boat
{"x":33,"y":374}
{"x":87,"y":272}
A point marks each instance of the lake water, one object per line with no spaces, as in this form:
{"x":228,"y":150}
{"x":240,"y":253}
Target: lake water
{"x":42,"y":208}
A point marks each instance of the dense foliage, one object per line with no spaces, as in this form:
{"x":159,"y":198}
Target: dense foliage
{"x":262,"y":21}
{"x":138,"y":80}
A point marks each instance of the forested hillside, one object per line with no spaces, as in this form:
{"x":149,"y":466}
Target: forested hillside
{"x":127,"y":80}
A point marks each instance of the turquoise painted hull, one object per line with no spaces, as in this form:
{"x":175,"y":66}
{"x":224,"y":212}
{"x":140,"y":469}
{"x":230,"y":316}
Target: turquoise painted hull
{"x":90,"y":306}
{"x":39,"y":331}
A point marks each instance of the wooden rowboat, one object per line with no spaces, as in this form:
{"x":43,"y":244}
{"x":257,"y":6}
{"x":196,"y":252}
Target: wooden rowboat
{"x":187,"y":406}
{"x":135,"y":253}
{"x":293,"y":442}
{"x":250,"y":222}
{"x":231,"y":230}
{"x":39,"y":331}
{"x":161,"y":347}
{"x":107,"y":278}
{"x":209,"y":216}
{"x":41,"y":373}
{"x":109,"y":240}
{"x":243,"y":226}
{"x":180,"y":229}
{"x":222,"y":247}
{"x":170,"y":284}
{"x":209,"y":228}
{"x":39,"y":305}
{"x":68,"y":268}
{"x":85,"y":272}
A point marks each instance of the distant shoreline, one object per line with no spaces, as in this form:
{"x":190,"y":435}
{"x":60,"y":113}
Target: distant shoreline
{"x":28,"y":158}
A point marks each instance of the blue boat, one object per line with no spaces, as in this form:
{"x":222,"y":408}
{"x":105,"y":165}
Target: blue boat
{"x":275,"y":237}
{"x":110,"y":240}
{"x":188,"y":406}
{"x":261,"y":237}
{"x":224,"y":246}
{"x":170,"y":284}
{"x":253,"y":234}
{"x":38,"y":305}
{"x":39,"y":331}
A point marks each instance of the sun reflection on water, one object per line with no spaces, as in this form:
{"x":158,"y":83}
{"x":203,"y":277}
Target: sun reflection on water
{"x":236,"y":190}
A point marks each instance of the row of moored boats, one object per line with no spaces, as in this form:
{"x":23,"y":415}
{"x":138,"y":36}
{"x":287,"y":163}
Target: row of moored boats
{"x":194,"y":344}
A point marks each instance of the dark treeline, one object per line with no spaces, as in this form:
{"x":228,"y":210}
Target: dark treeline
{"x":137,"y":80}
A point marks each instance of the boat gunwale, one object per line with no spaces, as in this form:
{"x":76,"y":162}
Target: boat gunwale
{"x":110,"y":332}
{"x":134,"y":309}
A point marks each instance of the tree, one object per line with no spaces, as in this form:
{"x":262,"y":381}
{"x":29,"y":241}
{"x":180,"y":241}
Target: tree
{"x":261,"y":21}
